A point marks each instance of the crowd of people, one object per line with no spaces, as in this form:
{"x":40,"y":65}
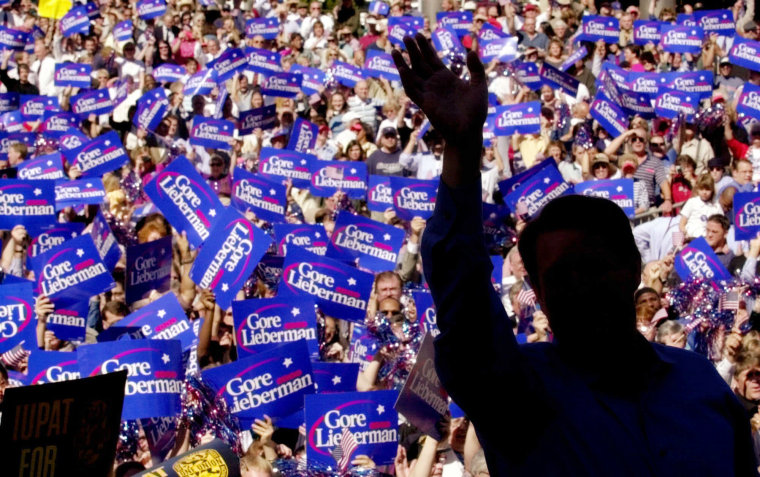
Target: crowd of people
{"x":685,"y":171}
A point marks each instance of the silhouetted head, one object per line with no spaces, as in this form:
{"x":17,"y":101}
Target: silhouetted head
{"x":584,"y":267}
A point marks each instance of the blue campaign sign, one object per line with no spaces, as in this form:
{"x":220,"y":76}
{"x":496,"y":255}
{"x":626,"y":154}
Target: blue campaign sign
{"x":123,"y":30}
{"x":698,"y":82}
{"x":53,"y":236}
{"x":52,"y":366}
{"x":426,"y":312}
{"x":340,"y":291}
{"x":375,"y":244}
{"x":335,"y":377}
{"x":527,"y":73}
{"x":72,"y":140}
{"x":33,"y":107}
{"x":558,"y":80}
{"x":283,"y":85}
{"x":155,"y":376}
{"x":379,"y":193}
{"x":303,"y":135}
{"x":746,"y":215}
{"x":686,"y":19}
{"x":13,"y":39}
{"x":619,"y":191}
{"x":745,"y":53}
{"x":597,"y":27}
{"x":6,"y":139}
{"x":262,"y":118}
{"x":75,"y":21}
{"x":149,"y":267}
{"x":94,"y":101}
{"x":151,"y":108}
{"x":646,"y":31}
{"x":233,"y":60}
{"x":73,"y":74}
{"x":213,"y":133}
{"x":669,"y":103}
{"x":749,"y":101}
{"x":539,"y":190}
{"x":716,"y":21}
{"x":413,"y":197}
{"x":522,"y":118}
{"x":49,"y":166}
{"x":637,"y":104}
{"x":68,"y":322}
{"x":105,"y":241}
{"x":369,"y":416}
{"x":267,"y":199}
{"x":398,"y":30}
{"x":27,"y":203}
{"x":502,"y":49}
{"x":72,"y":271}
{"x":17,"y":323}
{"x":364,"y":346}
{"x":578,"y":55}
{"x":79,"y":192}
{"x":185,"y":199}
{"x":264,"y":324}
{"x":272,"y":383}
{"x":269,"y":270}
{"x":9,"y":101}
{"x":268,"y":28}
{"x":377,"y":7}
{"x":202,"y":82}
{"x":147,"y":9}
{"x":12,"y":121}
{"x":229,"y":256}
{"x":458,"y":22}
{"x":311,"y":237}
{"x":697,"y":260}
{"x":313,"y":79}
{"x":609,"y":115}
{"x":681,"y":38}
{"x":164,"y":319}
{"x":168,"y":73}
{"x":489,"y":32}
{"x":280,"y":164}
{"x":264,"y":61}
{"x":346,"y":74}
{"x":116,"y":333}
{"x":104,"y":153}
{"x":160,"y":432}
{"x":329,"y":177}
{"x":57,"y":124}
{"x":446,"y":41}
{"x":380,"y":65}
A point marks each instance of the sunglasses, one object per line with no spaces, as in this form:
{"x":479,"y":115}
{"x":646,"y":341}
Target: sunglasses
{"x":637,"y":139}
{"x":653,"y":143}
{"x":600,"y":165}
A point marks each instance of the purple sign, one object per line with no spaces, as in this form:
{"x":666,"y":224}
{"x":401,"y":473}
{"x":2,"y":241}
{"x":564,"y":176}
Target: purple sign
{"x":53,"y":236}
{"x":13,"y":39}
{"x":374,"y":244}
{"x":149,"y":268}
{"x":335,"y":377}
{"x":123,"y":30}
{"x":716,"y":21}
{"x":310,"y":237}
{"x":233,"y":60}
{"x":73,"y":74}
{"x":75,"y":21}
{"x":17,"y":316}
{"x":79,"y":192}
{"x":259,"y":118}
{"x":279,"y":164}
{"x":151,"y":108}
{"x":747,"y":215}
{"x":49,"y":166}
{"x":749,"y":101}
{"x":597,"y":27}
{"x":303,"y":135}
{"x":413,"y":197}
{"x":261,"y":196}
{"x":619,"y":191}
{"x":329,"y":177}
{"x":33,"y":107}
{"x":52,"y":366}
{"x":669,"y":103}
{"x":446,"y":41}
{"x":645,"y":31}
{"x":147,"y":9}
{"x":212,"y":133}
{"x":458,"y":22}
{"x":283,"y":85}
{"x":164,"y":319}
{"x":697,"y":82}
{"x":68,"y":322}
{"x":697,"y":260}
{"x":345,"y":74}
{"x":426,"y":312}
{"x":609,"y":115}
{"x":57,"y":124}
{"x":202,"y":82}
{"x":95,"y":101}
{"x":502,"y":49}
{"x":379,"y":194}
{"x":522,"y":118}
{"x":27,"y":203}
{"x":105,"y":241}
{"x":380,"y":65}
{"x":264,"y":61}
{"x":168,"y":73}
{"x":546,"y":185}
{"x":377,"y":7}
{"x":559,"y":80}
{"x":103,"y":154}
{"x":681,"y":38}
{"x":268,"y":28}
{"x":313,"y":79}
{"x":745,"y":53}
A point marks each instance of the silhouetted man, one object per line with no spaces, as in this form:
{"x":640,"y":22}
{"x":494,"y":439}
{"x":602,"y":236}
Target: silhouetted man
{"x":600,"y":400}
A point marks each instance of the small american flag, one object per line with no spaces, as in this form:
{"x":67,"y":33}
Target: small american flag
{"x":342,"y":452}
{"x":15,"y":356}
{"x":729,"y":302}
{"x":526,"y":296}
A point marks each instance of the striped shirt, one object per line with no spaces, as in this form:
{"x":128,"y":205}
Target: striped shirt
{"x":651,"y":173}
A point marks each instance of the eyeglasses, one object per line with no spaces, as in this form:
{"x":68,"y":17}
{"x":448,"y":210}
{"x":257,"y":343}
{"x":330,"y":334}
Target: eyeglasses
{"x":656,"y":143}
{"x":637,"y":139}
{"x":390,"y":312}
{"x":599,"y":165}
{"x":716,"y":169}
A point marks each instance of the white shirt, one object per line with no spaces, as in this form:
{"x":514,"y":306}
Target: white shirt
{"x":43,"y":75}
{"x":697,"y":212}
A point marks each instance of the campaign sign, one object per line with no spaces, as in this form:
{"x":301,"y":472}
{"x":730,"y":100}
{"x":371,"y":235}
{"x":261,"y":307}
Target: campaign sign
{"x":72,"y":271}
{"x":79,"y":192}
{"x":68,"y":322}
{"x":340,"y":291}
{"x":380,"y":65}
{"x":329,"y":177}
{"x":303,"y":135}
{"x":94,"y":101}
{"x":283,"y":85}
{"x":346,"y":74}
{"x":609,"y":115}
{"x":168,"y":73}
{"x":446,"y":41}
{"x":266,"y":323}
{"x":6,"y":140}
{"x":147,"y":9}
{"x":160,"y":432}
{"x":699,"y":82}
{"x":151,"y":108}
{"x":521,"y":118}
{"x":413,"y":197}
{"x":75,"y":424}
{"x":669,"y":103}
{"x":311,"y":237}
{"x":681,"y":38}
{"x":458,"y":22}
{"x":164,"y":319}
{"x":539,"y":190}
{"x":49,"y":166}
{"x":577,"y":55}
{"x":260,"y":118}
{"x":75,"y":21}
{"x":489,"y":32}
{"x":426,"y":312}
{"x":33,"y":106}
{"x":13,"y":39}
{"x":261,"y":196}
{"x":558,"y":79}
{"x":527,"y":74}
{"x":363,"y":346}
{"x":52,"y":366}
{"x":268,"y":28}
{"x":379,"y":193}
{"x":272,"y":383}
{"x":335,"y":377}
{"x":619,"y":191}
{"x":53,"y":236}
{"x":501,"y":49}
{"x":12,"y":121}
{"x":369,"y":416}
{"x":104,"y":153}
{"x":686,"y":19}
{"x":697,"y":260}
{"x":645,"y":31}
{"x":644,"y":82}
{"x":745,"y":53}
{"x":747,"y":215}
{"x":313,"y":79}
{"x":280,"y":164}
{"x":212,"y":133}
{"x":73,"y":74}
{"x":269,"y":270}
{"x":637,"y":104}
{"x":149,"y":267}
{"x":155,"y":376}
{"x":9,"y":101}
{"x":397,"y":31}
{"x":749,"y":101}
{"x":228,"y":63}
{"x":597,"y":27}
{"x":57,"y":124}
{"x":185,"y":199}
{"x":422,"y":400}
{"x":105,"y":241}
{"x":375,"y":244}
{"x":27,"y":203}
{"x":123,"y":30}
{"x":202,"y":82}
{"x":377,"y":7}
{"x":17,"y":323}
{"x":72,"y":139}
{"x":216,"y":456}
{"x":716,"y":21}
{"x":264,"y":61}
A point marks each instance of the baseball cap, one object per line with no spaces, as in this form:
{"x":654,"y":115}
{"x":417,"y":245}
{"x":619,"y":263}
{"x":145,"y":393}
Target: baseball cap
{"x":389,"y":131}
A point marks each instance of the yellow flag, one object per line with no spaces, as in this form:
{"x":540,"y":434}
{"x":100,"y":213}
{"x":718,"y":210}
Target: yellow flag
{"x":53,"y":8}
